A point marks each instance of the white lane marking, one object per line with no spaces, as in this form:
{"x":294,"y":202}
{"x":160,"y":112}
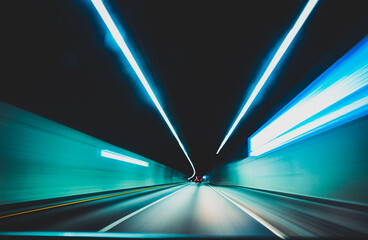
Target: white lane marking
{"x":253,"y":215}
{"x":117,"y":222}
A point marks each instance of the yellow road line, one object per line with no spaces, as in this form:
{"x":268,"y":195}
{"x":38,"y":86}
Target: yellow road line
{"x":86,"y":200}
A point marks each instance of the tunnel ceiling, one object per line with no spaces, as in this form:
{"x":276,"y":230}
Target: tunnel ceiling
{"x":202,"y":57}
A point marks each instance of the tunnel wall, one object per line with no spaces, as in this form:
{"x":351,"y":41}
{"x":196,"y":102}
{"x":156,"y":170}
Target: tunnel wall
{"x":331,"y":165}
{"x":41,"y":159}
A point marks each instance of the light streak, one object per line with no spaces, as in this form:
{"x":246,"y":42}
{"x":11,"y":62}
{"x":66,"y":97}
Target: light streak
{"x":275,"y":60}
{"x":120,"y":157}
{"x":127,"y":53}
{"x":337,"y":96}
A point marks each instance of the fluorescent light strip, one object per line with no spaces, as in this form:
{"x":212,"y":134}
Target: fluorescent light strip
{"x":120,"y":157}
{"x":338,"y":96}
{"x":314,"y":103}
{"x":124,"y":48}
{"x":275,"y":60}
{"x":311,"y":127}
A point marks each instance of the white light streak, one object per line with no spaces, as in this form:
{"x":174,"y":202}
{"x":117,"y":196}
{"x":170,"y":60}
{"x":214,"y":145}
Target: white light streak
{"x":275,"y":60}
{"x":120,"y":157}
{"x":337,"y":96}
{"x":124,"y":48}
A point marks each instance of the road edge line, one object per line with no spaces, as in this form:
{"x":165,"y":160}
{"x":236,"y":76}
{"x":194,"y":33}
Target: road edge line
{"x":254,"y":216}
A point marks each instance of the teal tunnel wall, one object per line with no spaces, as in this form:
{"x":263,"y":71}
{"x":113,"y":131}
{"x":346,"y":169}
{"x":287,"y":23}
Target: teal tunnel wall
{"x":41,"y":159}
{"x":331,"y":165}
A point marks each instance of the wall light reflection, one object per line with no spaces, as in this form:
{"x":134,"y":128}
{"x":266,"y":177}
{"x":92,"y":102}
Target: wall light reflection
{"x":120,"y":157}
{"x":338,"y":96}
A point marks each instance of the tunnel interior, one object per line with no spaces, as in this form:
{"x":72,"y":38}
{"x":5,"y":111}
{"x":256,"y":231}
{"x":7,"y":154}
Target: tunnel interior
{"x":138,"y":119}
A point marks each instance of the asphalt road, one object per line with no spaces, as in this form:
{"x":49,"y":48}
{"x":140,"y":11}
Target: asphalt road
{"x":188,"y":210}
{"x":298,"y":216}
{"x":194,"y":209}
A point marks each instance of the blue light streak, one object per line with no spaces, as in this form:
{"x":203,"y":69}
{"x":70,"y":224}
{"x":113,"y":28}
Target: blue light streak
{"x":336,"y":97}
{"x":120,"y":157}
{"x":275,"y":60}
{"x":127,"y":53}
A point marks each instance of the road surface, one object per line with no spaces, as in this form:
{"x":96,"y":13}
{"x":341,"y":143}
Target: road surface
{"x":194,"y":209}
{"x":186,"y":210}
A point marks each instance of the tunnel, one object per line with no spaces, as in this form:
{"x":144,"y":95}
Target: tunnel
{"x":179,"y":119}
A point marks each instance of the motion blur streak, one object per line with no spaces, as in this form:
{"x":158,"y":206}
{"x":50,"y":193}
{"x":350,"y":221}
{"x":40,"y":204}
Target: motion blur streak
{"x":275,"y":60}
{"x":116,"y":156}
{"x":195,"y":210}
{"x":41,"y":159}
{"x":114,"y":224}
{"x":124,"y":48}
{"x":297,"y":217}
{"x":250,"y":213}
{"x":190,"y":209}
{"x":338,"y":96}
{"x":75,"y":202}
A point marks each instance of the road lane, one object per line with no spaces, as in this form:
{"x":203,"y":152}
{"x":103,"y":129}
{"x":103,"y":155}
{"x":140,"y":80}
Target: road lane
{"x":195,"y":210}
{"x":301,"y":217}
{"x":117,"y":222}
{"x":269,"y":226}
{"x":85,"y":216}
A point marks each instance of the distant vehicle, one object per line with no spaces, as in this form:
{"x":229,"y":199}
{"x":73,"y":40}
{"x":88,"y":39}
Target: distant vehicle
{"x":198,"y":179}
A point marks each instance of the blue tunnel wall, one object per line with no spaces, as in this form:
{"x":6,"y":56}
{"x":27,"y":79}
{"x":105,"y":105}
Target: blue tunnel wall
{"x":41,"y":159}
{"x":331,"y":165}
